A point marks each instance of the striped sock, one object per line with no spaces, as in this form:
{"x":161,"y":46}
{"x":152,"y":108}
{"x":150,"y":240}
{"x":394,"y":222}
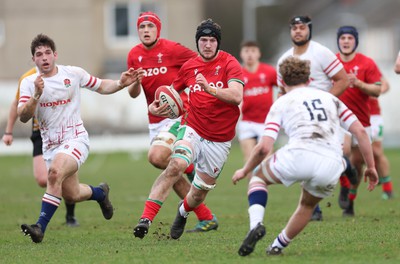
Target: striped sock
{"x":258,"y":198}
{"x":352,"y":194}
{"x":282,"y":240}
{"x":386,"y":183}
{"x":50,"y":203}
{"x":151,"y":208}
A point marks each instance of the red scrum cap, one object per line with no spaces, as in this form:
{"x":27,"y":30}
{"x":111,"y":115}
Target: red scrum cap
{"x":150,"y":17}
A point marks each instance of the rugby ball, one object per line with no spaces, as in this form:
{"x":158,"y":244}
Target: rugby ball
{"x":168,"y":95}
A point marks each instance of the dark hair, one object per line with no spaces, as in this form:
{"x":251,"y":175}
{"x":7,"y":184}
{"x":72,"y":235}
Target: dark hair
{"x":294,"y":71}
{"x":208,"y":28}
{"x":302,"y":20}
{"x":249,"y":43}
{"x":42,"y":40}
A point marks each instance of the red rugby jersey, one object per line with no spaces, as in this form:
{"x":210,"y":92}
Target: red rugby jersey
{"x":210,"y":117}
{"x":357,"y":101}
{"x":161,"y":64}
{"x":258,"y":92}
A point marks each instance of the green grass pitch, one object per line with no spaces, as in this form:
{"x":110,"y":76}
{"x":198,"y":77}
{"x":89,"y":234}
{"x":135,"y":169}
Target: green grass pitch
{"x":373,"y":236}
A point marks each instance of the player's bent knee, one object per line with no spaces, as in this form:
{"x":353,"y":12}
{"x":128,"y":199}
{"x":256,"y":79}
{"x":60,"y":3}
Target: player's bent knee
{"x":175,"y":168}
{"x":54,"y":175}
{"x":160,"y":161}
{"x":41,"y":182}
{"x":71,"y":197}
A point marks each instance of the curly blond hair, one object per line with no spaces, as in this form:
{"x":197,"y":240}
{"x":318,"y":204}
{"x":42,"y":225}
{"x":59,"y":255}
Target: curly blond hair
{"x":294,"y":71}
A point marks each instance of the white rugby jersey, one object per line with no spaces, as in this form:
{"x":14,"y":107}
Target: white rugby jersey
{"x":311,"y":118}
{"x":323,"y":65}
{"x":58,"y":109}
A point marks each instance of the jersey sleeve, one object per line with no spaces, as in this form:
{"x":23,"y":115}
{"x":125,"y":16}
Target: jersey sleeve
{"x":273,"y":121}
{"x":329,"y":62}
{"x":373,"y":74}
{"x":25,"y":91}
{"x":346,"y":116}
{"x":234,"y":71}
{"x":86,"y":80}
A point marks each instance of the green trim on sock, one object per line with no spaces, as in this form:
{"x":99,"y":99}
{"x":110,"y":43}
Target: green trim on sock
{"x":155,"y":201}
{"x":353,"y":191}
{"x":384,"y":179}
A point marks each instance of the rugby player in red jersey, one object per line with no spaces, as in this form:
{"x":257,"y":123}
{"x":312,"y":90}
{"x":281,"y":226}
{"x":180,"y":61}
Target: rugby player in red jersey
{"x":160,"y":59}
{"x":215,"y":83}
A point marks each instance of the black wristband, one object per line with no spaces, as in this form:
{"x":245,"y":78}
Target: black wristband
{"x":8,"y":133}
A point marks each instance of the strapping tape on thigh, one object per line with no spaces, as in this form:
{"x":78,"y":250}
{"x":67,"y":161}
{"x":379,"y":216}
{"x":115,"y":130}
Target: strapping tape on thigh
{"x":200,"y":184}
{"x":264,"y":165}
{"x":165,"y":139}
{"x":184,"y":153}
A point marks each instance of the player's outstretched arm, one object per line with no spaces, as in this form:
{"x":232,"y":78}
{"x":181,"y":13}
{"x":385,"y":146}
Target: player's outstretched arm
{"x":12,"y":117}
{"x":258,"y":154}
{"x":111,"y":86}
{"x":135,"y":88}
{"x":366,"y":150}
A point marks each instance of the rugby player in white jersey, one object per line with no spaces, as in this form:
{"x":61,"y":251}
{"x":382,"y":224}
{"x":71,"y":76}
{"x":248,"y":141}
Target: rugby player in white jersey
{"x":313,"y":156}
{"x":52,"y":95}
{"x":327,"y":72}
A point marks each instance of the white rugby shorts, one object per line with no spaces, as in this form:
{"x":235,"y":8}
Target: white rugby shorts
{"x":376,"y":128}
{"x":208,"y":156}
{"x":77,"y":148}
{"x":317,"y":173}
{"x":248,"y":129}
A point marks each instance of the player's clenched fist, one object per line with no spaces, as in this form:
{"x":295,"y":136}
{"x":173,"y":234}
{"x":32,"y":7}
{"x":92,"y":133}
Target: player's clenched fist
{"x":39,"y":86}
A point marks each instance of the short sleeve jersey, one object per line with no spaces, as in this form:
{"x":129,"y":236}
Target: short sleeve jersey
{"x":58,"y":109}
{"x":258,"y":93}
{"x":365,"y":70}
{"x":161,"y":65}
{"x":210,"y":117}
{"x":35,"y":123}
{"x":324,"y":65}
{"x":311,"y":118}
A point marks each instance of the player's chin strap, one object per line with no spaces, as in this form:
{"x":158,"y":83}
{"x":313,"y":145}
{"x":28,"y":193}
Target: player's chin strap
{"x":201,"y":185}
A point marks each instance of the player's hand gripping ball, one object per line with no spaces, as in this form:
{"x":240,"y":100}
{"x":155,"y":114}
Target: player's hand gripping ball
{"x":168,"y":95}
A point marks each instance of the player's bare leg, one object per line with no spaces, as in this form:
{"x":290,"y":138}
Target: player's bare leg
{"x":297,"y":222}
{"x":63,"y":177}
{"x":383,"y":168}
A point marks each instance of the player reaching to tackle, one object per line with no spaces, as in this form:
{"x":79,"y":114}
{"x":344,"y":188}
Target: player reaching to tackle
{"x":326,"y":71}
{"x":313,"y":156}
